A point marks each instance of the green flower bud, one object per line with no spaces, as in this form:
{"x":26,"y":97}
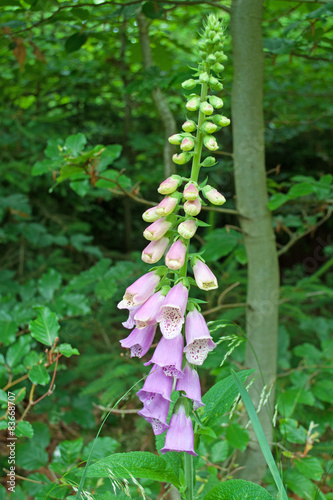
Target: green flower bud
{"x":216,"y":102}
{"x":209,"y":127}
{"x":206,"y":108}
{"x":202,"y":45}
{"x":221,"y":121}
{"x":217,"y":67}
{"x":182,"y":158}
{"x":213,"y":195}
{"x":189,"y":126}
{"x":204,"y":77}
{"x":220,"y":57}
{"x":187,"y":144}
{"x":175,"y":139}
{"x":208,"y":162}
{"x":211,"y":58}
{"x":210,"y":143}
{"x":193,"y":104}
{"x":189,"y":84}
{"x":217,"y":39}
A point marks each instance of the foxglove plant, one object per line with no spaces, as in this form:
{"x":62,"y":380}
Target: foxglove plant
{"x":162,"y":296}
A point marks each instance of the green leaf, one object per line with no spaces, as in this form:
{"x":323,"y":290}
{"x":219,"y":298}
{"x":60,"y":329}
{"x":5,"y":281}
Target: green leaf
{"x":219,"y":451}
{"x":299,"y":190}
{"x":48,"y":283}
{"x":69,"y":451}
{"x":300,"y":484}
{"x":310,"y":467}
{"x":153,"y":10}
{"x":291,"y":431}
{"x":220,"y":398}
{"x":75,"y":42}
{"x":31,"y":456}
{"x":38,"y":375}
{"x":41,"y":167}
{"x":3,"y":397}
{"x":113,"y":175}
{"x":108,"y":156}
{"x":81,"y":187}
{"x":220,"y":243}
{"x":45,"y":327}
{"x":18,"y":350}
{"x":277,"y":200}
{"x":322,"y":391}
{"x":67,"y":350}
{"x":24,"y":429}
{"x":237,"y":436}
{"x":75,"y":144}
{"x":8,"y":330}
{"x":52,"y":150}
{"x":140,"y":464}
{"x":237,"y":489}
{"x":289,"y":399}
{"x":104,"y":446}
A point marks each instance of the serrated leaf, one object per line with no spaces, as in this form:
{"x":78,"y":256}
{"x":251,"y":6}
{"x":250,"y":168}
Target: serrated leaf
{"x":38,"y":375}
{"x":108,"y":156}
{"x":237,"y":489}
{"x":18,"y":350}
{"x":48,"y":283}
{"x":24,"y":429}
{"x":140,"y":464}
{"x":310,"y":467}
{"x":45,"y":327}
{"x":220,"y":398}
{"x":31,"y":456}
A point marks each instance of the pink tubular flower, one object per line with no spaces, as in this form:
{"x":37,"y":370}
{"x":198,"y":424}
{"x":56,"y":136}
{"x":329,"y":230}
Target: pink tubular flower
{"x":192,"y":208}
{"x":154,"y":251}
{"x":171,"y":315}
{"x":190,"y":192}
{"x":199,"y":341}
{"x":139,"y":291}
{"x":156,"y":383}
{"x":166,"y":206}
{"x":175,"y":257}
{"x":156,"y":414}
{"x":139,"y":341}
{"x":190,"y":384}
{"x":150,"y":215}
{"x":179,"y":436}
{"x":157,"y":229}
{"x":130,"y":323}
{"x":169,"y":185}
{"x":204,"y":277}
{"x":213,"y":195}
{"x":187,"y":229}
{"x":168,"y":355}
{"x":146,"y":314}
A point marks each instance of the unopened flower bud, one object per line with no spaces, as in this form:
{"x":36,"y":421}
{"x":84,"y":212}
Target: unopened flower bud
{"x":193,"y":104}
{"x":190,"y":191}
{"x":182,"y":158}
{"x":209,"y":127}
{"x":216,"y":39}
{"x":189,"y":126}
{"x":187,"y":144}
{"x":175,"y":257}
{"x":204,"y":77}
{"x":216,"y":86}
{"x":208,"y":162}
{"x":187,"y":229}
{"x":220,"y":57}
{"x":221,"y":121}
{"x":189,"y":84}
{"x":216,"y":102}
{"x":206,"y":108}
{"x":167,"y":205}
{"x":218,"y":67}
{"x":169,"y":185}
{"x":211,"y":58}
{"x":202,"y":45}
{"x":150,"y":215}
{"x":213,"y":195}
{"x":210,"y":143}
{"x":175,"y":139}
{"x":157,"y":229}
{"x":204,"y":277}
{"x":154,"y":251}
{"x":192,"y":208}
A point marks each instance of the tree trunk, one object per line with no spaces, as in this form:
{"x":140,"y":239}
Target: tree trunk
{"x":256,"y":220}
{"x":159,"y":99}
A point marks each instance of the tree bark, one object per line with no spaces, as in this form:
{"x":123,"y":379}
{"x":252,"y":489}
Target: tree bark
{"x":256,"y":219}
{"x":159,"y":99}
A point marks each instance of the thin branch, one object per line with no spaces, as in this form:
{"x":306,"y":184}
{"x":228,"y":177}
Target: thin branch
{"x":224,"y":306}
{"x":297,"y":237}
{"x":104,"y":408}
{"x":311,"y":58}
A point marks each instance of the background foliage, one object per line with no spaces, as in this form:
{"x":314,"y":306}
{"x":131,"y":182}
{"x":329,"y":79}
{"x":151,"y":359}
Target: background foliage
{"x":81,"y":144}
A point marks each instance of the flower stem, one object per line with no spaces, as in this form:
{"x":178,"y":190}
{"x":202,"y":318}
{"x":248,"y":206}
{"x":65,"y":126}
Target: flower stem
{"x":198,"y":145}
{"x":188,"y":466}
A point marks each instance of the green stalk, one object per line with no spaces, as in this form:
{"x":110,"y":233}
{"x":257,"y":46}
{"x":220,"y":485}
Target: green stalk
{"x":189,"y":473}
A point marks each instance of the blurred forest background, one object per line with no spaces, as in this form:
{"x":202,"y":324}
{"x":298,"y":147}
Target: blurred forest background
{"x":82,"y":148}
